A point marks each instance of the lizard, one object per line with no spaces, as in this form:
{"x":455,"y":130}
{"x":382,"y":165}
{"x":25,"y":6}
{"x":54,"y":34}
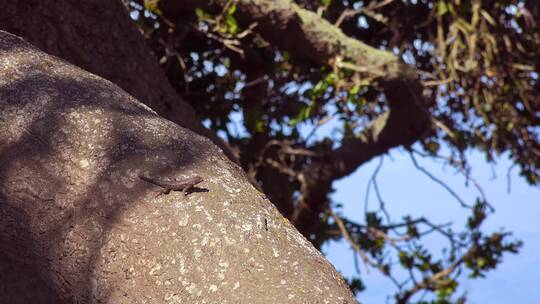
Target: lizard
{"x":184,"y":185}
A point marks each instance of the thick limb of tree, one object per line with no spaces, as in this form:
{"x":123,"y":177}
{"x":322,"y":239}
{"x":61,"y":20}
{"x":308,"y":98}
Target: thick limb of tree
{"x":74,"y":216}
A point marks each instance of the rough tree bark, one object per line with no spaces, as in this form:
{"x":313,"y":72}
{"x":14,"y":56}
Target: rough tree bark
{"x":99,"y":36}
{"x":75,"y":217}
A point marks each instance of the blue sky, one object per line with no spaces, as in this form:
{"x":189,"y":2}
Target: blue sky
{"x":408,"y":191}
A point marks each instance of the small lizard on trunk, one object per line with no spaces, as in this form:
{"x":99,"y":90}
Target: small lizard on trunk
{"x":184,"y":185}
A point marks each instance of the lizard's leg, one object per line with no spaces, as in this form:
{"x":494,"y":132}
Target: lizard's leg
{"x":164,"y":191}
{"x":186,"y":190}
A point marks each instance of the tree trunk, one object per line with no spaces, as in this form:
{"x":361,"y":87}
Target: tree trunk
{"x":76,"y":220}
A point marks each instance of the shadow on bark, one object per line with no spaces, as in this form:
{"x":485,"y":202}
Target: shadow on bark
{"x":39,"y":214}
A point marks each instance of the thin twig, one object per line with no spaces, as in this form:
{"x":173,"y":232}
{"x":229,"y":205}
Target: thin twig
{"x":382,"y":206}
{"x":509,"y":177}
{"x":438,"y":181}
{"x":368,"y":11}
{"x":348,"y":237}
{"x":465,"y":171}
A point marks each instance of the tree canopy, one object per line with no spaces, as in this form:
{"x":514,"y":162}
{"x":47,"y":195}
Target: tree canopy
{"x":416,"y":74}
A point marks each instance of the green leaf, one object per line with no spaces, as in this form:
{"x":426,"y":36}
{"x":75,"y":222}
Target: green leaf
{"x":433,"y":147}
{"x":302,"y":115}
{"x":231,"y":9}
{"x":319,"y":88}
{"x":152,"y":6}
{"x":442,"y":8}
{"x":405,"y":260}
{"x":354,"y":90}
{"x":259,"y":126}
{"x":202,"y":15}
{"x":323,"y":85}
{"x":199,"y":12}
{"x":481,"y":262}
{"x":509,"y":126}
{"x":232,"y":26}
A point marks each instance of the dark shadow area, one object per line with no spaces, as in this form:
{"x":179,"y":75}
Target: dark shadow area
{"x":20,"y":281}
{"x":35,"y":221}
{"x":22,"y":284}
{"x":198,"y":190}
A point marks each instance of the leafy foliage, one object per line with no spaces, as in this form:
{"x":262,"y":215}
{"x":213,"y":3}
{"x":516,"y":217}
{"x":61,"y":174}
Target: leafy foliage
{"x":477,"y":61}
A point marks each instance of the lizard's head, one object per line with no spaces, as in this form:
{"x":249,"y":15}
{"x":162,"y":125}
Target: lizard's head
{"x":197,"y":179}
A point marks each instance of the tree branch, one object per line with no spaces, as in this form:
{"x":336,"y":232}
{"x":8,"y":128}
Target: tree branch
{"x":306,"y":35}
